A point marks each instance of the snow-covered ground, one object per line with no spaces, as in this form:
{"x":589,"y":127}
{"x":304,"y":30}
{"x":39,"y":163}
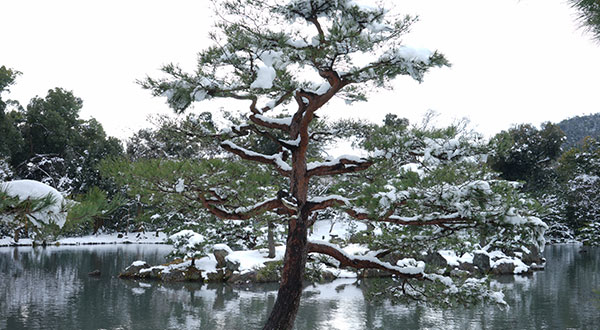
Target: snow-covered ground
{"x":125,"y":238}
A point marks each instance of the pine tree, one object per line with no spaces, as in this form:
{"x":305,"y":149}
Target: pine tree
{"x":301,"y":54}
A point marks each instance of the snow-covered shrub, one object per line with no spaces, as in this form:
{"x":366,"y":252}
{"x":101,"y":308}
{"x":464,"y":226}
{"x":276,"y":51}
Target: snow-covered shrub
{"x":188,"y":244}
{"x":32,"y":207}
{"x":590,"y":233}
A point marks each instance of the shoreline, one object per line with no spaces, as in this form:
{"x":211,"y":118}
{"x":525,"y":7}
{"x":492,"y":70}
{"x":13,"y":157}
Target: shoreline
{"x":99,"y":239}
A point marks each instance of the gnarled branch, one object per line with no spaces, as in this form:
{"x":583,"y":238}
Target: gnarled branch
{"x":362,"y":262}
{"x":339,"y":166}
{"x":243,"y":213}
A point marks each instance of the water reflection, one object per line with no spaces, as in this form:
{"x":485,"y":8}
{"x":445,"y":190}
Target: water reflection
{"x":50,"y":289}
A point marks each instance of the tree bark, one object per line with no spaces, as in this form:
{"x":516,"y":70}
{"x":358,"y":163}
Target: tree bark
{"x":270,"y":239}
{"x":287,"y":303}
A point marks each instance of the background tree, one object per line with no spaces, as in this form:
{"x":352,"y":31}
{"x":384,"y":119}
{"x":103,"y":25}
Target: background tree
{"x":59,"y":148}
{"x":525,"y":153}
{"x":11,"y":140}
{"x":579,"y":172}
{"x":174,"y":139}
{"x":275,"y":60}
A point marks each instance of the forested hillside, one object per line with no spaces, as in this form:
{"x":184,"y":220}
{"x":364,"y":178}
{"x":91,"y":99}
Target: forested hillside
{"x":576,"y":129}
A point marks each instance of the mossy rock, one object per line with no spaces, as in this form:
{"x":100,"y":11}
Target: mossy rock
{"x":189,"y":274}
{"x":133,"y":271}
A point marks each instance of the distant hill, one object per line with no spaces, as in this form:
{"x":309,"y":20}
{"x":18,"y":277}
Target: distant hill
{"x":577,"y":128}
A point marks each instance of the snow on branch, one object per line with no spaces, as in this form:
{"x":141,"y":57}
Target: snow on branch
{"x":277,"y":123}
{"x":276,"y":160}
{"x":320,"y":203}
{"x":397,"y":61}
{"x":419,"y":220}
{"x":340,"y":165}
{"x":406,"y":268}
{"x":288,"y":144}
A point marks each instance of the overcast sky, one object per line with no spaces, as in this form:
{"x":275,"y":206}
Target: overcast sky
{"x":512,"y":61}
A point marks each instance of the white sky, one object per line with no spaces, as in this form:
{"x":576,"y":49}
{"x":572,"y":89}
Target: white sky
{"x":513,"y":61}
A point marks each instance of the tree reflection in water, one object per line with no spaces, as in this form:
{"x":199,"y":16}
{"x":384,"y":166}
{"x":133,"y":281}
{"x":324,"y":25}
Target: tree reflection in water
{"x":50,"y":289}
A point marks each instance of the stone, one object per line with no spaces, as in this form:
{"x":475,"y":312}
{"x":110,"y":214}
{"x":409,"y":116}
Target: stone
{"x":218,"y":276}
{"x":466,"y":266}
{"x":459,"y":273}
{"x":327,"y":276}
{"x":220,"y":255}
{"x":133,"y":270}
{"x":153,"y":273}
{"x":535,"y":266}
{"x":172,"y":276}
{"x":532,"y":256}
{"x":436,"y":259}
{"x":189,"y":274}
{"x":193,"y":274}
{"x":95,"y":273}
{"x":481,"y":261}
{"x":505,"y":268}
{"x":232,"y":265}
{"x":242,"y":278}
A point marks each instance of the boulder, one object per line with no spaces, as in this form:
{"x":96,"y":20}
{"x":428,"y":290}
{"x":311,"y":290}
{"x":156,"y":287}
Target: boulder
{"x":242,"y":278}
{"x":172,"y":276}
{"x":327,"y":276}
{"x":232,"y":265}
{"x":182,"y":275}
{"x":435,"y":259}
{"x":134,"y":269}
{"x":218,"y":276}
{"x":481,"y":261}
{"x":504,"y":268}
{"x":150,"y":273}
{"x":220,"y":255}
{"x":466,"y":266}
{"x":532,"y":255}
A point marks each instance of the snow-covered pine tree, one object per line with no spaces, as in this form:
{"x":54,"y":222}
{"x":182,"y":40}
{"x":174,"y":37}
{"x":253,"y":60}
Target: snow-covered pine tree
{"x":302,"y":54}
{"x":580,"y":173}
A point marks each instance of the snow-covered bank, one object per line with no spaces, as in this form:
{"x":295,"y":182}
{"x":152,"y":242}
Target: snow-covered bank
{"x":116,"y":238}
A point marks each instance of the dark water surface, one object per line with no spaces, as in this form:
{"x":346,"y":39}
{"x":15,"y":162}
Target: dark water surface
{"x":50,"y":289}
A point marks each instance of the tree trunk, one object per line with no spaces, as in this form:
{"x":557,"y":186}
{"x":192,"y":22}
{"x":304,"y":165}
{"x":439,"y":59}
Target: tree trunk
{"x":270,"y":239}
{"x":287,"y":303}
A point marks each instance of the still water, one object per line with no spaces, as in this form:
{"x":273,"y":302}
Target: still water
{"x":49,"y":288}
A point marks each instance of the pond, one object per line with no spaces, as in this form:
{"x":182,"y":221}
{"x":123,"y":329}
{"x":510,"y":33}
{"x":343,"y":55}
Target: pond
{"x":49,"y":288}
